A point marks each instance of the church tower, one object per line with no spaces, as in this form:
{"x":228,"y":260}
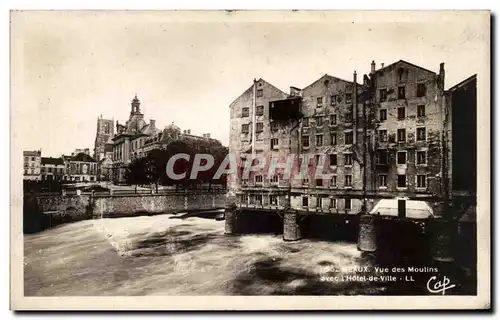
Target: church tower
{"x":105,"y":131}
{"x":135,"y":106}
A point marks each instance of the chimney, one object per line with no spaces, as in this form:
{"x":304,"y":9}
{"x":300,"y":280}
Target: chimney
{"x":382,"y":65}
{"x":355,"y":77}
{"x":373,"y":67}
{"x":152,"y":122}
{"x":204,"y":135}
{"x":208,"y":135}
{"x":188,"y":131}
{"x":441,"y":75}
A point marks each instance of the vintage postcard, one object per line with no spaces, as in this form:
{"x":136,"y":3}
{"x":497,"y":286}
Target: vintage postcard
{"x":250,"y":160}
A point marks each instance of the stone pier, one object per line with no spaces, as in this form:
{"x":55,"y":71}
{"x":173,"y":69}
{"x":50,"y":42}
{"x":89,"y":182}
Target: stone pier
{"x":231,"y":216}
{"x":291,"y":227}
{"x":367,"y":237}
{"x":444,"y":234}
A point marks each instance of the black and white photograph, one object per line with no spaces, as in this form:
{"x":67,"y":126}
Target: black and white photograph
{"x":237,"y":160}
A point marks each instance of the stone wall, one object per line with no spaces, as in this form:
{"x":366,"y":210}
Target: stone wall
{"x":133,"y":205}
{"x":41,"y":212}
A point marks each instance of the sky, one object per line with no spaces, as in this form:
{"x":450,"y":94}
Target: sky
{"x":68,"y":68}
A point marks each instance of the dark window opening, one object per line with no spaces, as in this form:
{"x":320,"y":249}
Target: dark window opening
{"x":401,"y":180}
{"x":401,"y":135}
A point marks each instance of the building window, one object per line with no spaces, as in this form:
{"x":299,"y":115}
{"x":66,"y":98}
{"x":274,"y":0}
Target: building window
{"x":348,"y":117}
{"x":319,"y":140}
{"x":421,"y":90}
{"x":32,"y":158}
{"x":421,"y":181}
{"x":401,"y":93}
{"x":305,"y":201}
{"x":319,"y":102}
{"x":333,"y":203}
{"x":258,"y":179}
{"x":348,"y":159}
{"x":319,"y":182}
{"x":382,"y":181}
{"x":273,"y":200}
{"x":316,"y":159}
{"x":383,"y":95}
{"x":25,"y":171}
{"x":274,"y":143}
{"x":333,"y":181}
{"x":259,"y":127}
{"x":382,"y":135}
{"x":274,"y":179}
{"x":305,"y":141}
{"x":382,"y":156}
{"x":319,"y":121}
{"x":383,"y":114}
{"x":401,"y":180}
{"x":245,"y":112}
{"x":260,"y":93}
{"x":401,"y":72}
{"x":401,"y":135}
{"x":305,"y":181}
{"x":259,"y":111}
{"x":333,"y":100}
{"x":421,"y":111}
{"x":258,"y":199}
{"x":334,"y":139}
{"x":333,"y":159}
{"x":401,"y":113}
{"x":348,"y":180}
{"x":305,"y":122}
{"x":421,"y":134}
{"x":347,"y":204}
{"x":319,"y":202}
{"x":274,"y":126}
{"x":333,"y":119}
{"x":421,"y":157}
{"x":401,"y":157}
{"x":348,"y":137}
{"x":348,"y":98}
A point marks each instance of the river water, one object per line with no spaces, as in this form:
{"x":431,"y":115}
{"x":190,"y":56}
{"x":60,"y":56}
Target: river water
{"x":186,"y":255}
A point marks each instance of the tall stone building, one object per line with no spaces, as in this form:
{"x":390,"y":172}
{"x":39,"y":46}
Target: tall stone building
{"x":316,"y":124}
{"x":103,"y":145}
{"x":384,"y":137}
{"x":409,"y":110}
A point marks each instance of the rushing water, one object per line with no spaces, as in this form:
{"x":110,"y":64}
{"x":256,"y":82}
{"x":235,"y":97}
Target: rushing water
{"x":183,"y":255}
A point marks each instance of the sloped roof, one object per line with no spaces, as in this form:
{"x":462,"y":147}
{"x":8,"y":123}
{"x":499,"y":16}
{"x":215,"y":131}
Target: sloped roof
{"x":50,"y":160}
{"x":83,"y":158}
{"x":414,"y":208}
{"x":405,"y":62}
{"x":31,"y":153}
{"x":328,"y":77}
{"x":463,"y":82}
{"x":250,"y":88}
